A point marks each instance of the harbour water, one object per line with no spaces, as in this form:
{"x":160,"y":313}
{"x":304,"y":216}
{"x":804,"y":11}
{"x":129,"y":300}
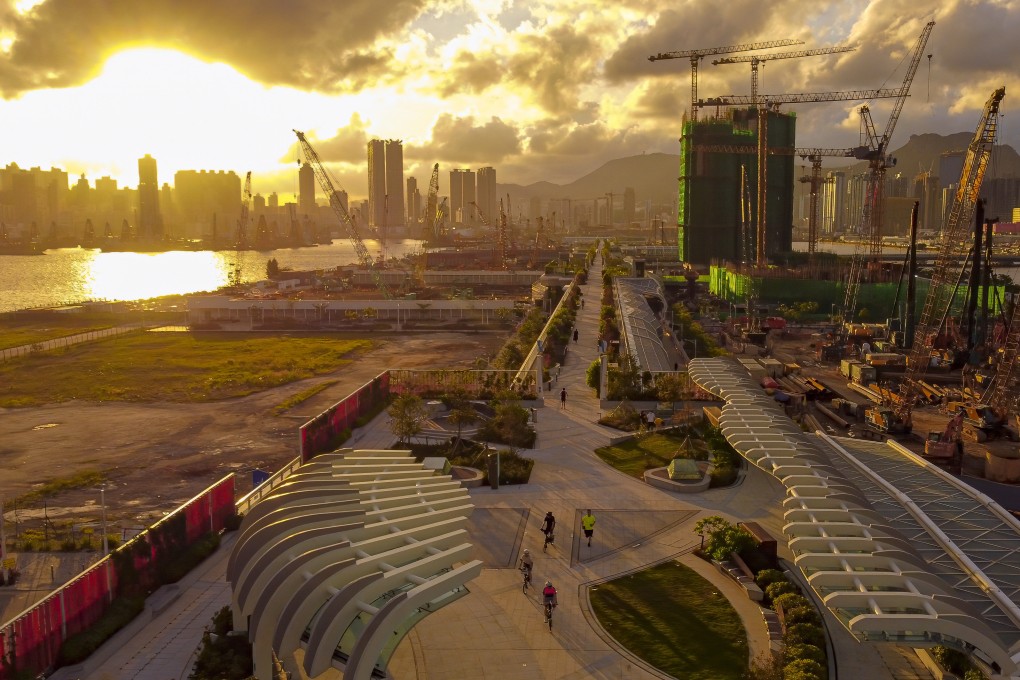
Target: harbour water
{"x":71,"y":275}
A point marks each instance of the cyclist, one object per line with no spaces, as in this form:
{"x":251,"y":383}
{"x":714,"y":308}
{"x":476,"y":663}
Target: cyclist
{"x":548,"y":526}
{"x":527,"y":564}
{"x":549,"y":595}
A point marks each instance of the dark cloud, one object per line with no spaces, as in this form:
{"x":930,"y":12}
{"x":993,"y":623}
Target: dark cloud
{"x":461,"y":140}
{"x":348,"y":145}
{"x":304,"y":43}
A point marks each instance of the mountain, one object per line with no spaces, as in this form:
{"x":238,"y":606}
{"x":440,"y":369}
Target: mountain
{"x":654,"y":175}
{"x":921,"y":153}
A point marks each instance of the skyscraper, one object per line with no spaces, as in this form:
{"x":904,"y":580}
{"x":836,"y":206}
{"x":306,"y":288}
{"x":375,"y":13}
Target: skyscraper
{"x":385,"y":183}
{"x":462,"y":197}
{"x":150,"y":222}
{"x":487,"y":191}
{"x":413,"y":201}
{"x":306,"y":191}
{"x":456,"y":195}
{"x":376,"y":183}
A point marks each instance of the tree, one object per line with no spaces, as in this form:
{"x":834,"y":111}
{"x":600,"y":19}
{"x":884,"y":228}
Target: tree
{"x":625,"y":379}
{"x":670,"y":387}
{"x":461,"y":414}
{"x":272,"y":268}
{"x":722,"y":538}
{"x":407,"y":412}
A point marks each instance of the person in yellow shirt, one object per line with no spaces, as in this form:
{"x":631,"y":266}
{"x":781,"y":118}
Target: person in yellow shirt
{"x":588,"y":524}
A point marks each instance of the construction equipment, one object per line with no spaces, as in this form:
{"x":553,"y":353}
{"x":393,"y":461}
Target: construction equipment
{"x":241,"y":238}
{"x":949,"y":264}
{"x":329,"y":185}
{"x":697,"y":55}
{"x":756,"y":59}
{"x":430,"y":232}
{"x":815,"y":181}
{"x":945,"y":445}
{"x":773,"y":101}
{"x":501,"y":232}
{"x":876,"y":152}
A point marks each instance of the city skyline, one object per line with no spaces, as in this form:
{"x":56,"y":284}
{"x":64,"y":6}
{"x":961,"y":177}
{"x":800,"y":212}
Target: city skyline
{"x":542,"y":90}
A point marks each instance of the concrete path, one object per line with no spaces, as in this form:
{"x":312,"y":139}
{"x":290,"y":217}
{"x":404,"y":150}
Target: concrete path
{"x":498,"y":631}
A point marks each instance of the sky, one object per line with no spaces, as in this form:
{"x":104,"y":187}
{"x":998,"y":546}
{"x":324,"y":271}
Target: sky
{"x":539,"y":89}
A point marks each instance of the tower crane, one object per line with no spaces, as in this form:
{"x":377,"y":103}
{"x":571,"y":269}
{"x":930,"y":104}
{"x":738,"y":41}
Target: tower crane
{"x":328,"y":185}
{"x":430,"y":231}
{"x":815,"y":182}
{"x":949,"y":264}
{"x":241,"y":238}
{"x":876,"y":153}
{"x":697,"y":55}
{"x":756,"y":59}
{"x":501,"y":232}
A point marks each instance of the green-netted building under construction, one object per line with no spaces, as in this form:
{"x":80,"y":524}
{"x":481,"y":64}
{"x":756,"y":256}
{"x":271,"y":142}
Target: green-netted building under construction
{"x":712,"y":152}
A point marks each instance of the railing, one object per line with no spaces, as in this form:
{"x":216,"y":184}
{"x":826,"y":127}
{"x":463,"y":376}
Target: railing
{"x":528,"y":365}
{"x":258,"y":493}
{"x":67,"y":341}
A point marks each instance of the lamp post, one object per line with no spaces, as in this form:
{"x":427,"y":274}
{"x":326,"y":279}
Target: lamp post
{"x":102,"y":502}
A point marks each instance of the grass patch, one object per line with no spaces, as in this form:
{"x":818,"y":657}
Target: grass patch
{"x":675,"y":620}
{"x":634,"y":456}
{"x":174,"y":367}
{"x":27,"y":328}
{"x":302,"y":396}
{"x":81,"y":480}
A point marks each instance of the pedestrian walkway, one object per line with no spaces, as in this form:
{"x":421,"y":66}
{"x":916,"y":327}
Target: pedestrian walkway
{"x":498,"y":631}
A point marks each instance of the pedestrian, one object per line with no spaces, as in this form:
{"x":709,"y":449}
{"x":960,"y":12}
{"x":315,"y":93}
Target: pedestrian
{"x":588,"y":524}
{"x":582,"y":303}
{"x":563,"y":398}
{"x":575,"y":335}
{"x":650,"y":419}
{"x":676,"y":367}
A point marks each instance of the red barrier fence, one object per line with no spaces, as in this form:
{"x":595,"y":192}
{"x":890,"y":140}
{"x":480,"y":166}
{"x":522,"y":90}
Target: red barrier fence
{"x":321,"y":433}
{"x":31,"y":642}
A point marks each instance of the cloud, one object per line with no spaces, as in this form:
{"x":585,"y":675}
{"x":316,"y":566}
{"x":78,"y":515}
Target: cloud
{"x":461,"y":140}
{"x":348,"y":145}
{"x":303,"y":43}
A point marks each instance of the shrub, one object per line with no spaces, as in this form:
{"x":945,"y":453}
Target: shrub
{"x":800,"y":651}
{"x":774,"y":590}
{"x":79,"y":647}
{"x":232,"y":522}
{"x":802,"y":669}
{"x":800,"y":615}
{"x":513,"y":469}
{"x":223,"y":657}
{"x":974,"y":674}
{"x":723,"y":475}
{"x":950,"y":659}
{"x":623,"y":417}
{"x":767,"y":577}
{"x":189,"y":558}
{"x":593,"y":375}
{"x":790,"y":601}
{"x":805,"y":634}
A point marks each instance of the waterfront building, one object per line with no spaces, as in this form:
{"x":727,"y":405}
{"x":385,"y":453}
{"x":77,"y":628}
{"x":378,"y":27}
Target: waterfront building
{"x":486,"y":181}
{"x":306,"y":191}
{"x":394,"y":183}
{"x":209,"y":203}
{"x":150,"y":219}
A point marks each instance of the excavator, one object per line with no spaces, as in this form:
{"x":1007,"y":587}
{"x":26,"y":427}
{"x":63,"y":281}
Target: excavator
{"x":946,"y":446}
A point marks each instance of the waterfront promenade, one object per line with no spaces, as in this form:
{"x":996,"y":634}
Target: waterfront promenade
{"x":497,"y":631}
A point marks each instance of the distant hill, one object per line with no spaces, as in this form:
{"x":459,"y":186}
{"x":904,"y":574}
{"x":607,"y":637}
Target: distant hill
{"x":921,"y":153}
{"x":654,"y":175}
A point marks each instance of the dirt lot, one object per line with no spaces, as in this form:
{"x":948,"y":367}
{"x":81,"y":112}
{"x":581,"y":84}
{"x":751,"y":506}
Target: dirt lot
{"x":158,"y":455}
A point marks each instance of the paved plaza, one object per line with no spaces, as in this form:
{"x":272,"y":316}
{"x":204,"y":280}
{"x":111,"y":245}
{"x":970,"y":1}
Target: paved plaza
{"x":497,"y":631}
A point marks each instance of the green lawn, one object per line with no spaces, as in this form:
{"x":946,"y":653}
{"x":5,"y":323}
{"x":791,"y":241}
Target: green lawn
{"x":634,"y":456}
{"x":15,"y":332}
{"x":675,"y":620}
{"x":175,"y":367}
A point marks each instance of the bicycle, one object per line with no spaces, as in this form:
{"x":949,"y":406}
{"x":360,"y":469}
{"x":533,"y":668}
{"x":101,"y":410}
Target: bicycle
{"x":549,"y":538}
{"x":527,"y":579}
{"x":549,"y":606}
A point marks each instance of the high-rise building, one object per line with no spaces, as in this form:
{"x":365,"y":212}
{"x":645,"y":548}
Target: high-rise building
{"x":629,"y":207}
{"x":150,"y":223}
{"x":209,"y":203}
{"x":457,"y":195}
{"x":376,"y":183}
{"x":833,"y":204}
{"x":413,"y":202}
{"x":486,"y":194}
{"x":709,"y":218}
{"x":385,"y":183}
{"x":306,"y":191}
{"x":950,"y":167}
{"x":274,"y":201}
{"x":394,"y":183}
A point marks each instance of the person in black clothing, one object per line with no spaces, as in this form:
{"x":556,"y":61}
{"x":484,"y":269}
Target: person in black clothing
{"x":548,"y":526}
{"x":575,"y":335}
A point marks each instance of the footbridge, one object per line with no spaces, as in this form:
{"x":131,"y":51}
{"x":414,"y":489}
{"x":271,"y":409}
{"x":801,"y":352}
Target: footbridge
{"x":898,"y":550}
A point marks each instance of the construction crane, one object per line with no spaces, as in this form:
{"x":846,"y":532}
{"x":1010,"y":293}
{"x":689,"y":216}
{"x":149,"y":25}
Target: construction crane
{"x":501,"y":231}
{"x":949,"y":263}
{"x":697,"y":55}
{"x":775,"y":100}
{"x":328,"y":185}
{"x":241,"y":238}
{"x":1004,"y":392}
{"x":756,"y":59}
{"x":430,"y":231}
{"x":815,"y":182}
{"x":876,"y":153}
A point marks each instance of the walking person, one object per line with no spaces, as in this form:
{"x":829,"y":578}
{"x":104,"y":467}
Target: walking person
{"x":575,"y":335}
{"x":563,"y":398}
{"x":650,"y":420}
{"x":588,"y":525}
